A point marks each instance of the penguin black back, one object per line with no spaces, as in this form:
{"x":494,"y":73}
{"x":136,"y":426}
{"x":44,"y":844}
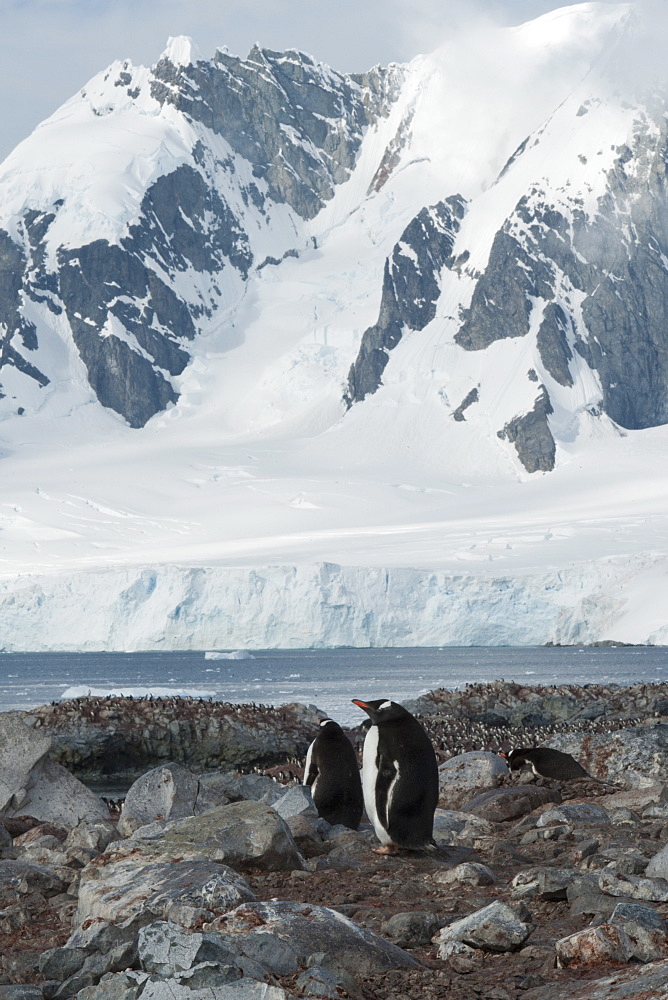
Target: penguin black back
{"x":400,"y":777}
{"x":547,"y":763}
{"x":333,"y":774}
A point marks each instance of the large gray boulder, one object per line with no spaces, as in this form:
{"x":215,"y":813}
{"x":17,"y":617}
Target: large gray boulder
{"x":634,"y":758}
{"x":166,"y":792}
{"x":241,"y":835}
{"x":131,"y":893}
{"x":309,"y":930}
{"x":461,"y":776}
{"x":53,"y":795}
{"x":21,"y":748}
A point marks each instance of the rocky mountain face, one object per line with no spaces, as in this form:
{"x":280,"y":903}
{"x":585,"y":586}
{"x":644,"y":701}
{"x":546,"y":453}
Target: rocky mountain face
{"x":249,"y":157}
{"x":135,"y":304}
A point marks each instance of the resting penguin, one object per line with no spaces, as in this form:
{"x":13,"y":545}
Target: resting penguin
{"x":400,"y":778}
{"x":547,"y":763}
{"x":332,"y":772}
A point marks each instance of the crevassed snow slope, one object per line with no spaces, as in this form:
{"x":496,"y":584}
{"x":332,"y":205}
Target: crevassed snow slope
{"x":256,"y":512}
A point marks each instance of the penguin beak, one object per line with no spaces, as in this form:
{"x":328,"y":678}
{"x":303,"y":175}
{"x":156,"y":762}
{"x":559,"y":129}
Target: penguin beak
{"x":362,"y":704}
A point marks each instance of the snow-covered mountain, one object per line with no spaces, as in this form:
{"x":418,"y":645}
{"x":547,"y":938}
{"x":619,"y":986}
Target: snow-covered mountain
{"x":291,"y":357}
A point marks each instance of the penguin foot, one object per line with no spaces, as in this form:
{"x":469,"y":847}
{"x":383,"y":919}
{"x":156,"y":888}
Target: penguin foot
{"x":386,"y":849}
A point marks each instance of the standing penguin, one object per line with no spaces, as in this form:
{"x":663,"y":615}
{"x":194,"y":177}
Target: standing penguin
{"x":399,"y":776}
{"x":332,"y":772}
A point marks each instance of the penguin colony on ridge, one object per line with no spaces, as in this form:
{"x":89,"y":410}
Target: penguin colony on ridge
{"x":332,"y":773}
{"x":399,"y":778}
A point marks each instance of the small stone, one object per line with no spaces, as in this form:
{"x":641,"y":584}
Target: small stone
{"x":615,"y":884}
{"x":585,"y":848}
{"x":319,"y":982}
{"x":575,"y":814}
{"x":493,"y":928}
{"x":631,"y":864}
{"x":412,"y":929}
{"x":622,"y":816}
{"x":471,"y":872}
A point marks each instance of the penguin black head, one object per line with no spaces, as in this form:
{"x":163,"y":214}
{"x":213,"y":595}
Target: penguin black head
{"x":381,"y":711}
{"x":328,"y":727}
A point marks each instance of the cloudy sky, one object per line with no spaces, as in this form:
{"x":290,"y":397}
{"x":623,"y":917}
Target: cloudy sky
{"x":50,"y":48}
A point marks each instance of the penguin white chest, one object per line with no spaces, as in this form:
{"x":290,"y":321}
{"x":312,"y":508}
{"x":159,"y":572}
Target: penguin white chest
{"x":369,"y":782}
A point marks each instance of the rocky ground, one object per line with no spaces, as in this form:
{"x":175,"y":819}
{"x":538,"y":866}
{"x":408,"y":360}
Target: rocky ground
{"x":226,"y":882}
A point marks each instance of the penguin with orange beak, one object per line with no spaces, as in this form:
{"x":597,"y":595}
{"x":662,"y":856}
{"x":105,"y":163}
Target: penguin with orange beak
{"x":399,"y":778}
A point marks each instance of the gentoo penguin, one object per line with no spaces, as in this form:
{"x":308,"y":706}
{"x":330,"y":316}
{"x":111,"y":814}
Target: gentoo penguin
{"x":332,"y":772}
{"x":399,"y":777}
{"x":547,"y":763}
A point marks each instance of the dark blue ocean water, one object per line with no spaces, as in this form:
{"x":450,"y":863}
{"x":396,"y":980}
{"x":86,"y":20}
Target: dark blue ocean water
{"x":326,"y":678}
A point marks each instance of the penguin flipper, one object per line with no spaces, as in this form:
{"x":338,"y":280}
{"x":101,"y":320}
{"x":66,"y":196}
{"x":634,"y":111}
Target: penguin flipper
{"x":310,"y":768}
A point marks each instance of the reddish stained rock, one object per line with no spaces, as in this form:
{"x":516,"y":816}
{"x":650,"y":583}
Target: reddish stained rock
{"x":595,"y":946}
